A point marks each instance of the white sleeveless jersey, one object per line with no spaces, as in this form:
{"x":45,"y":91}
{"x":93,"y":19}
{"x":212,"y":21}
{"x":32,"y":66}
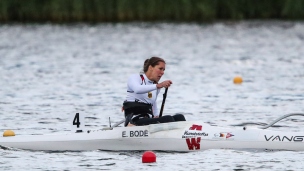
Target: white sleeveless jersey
{"x":142,"y":90}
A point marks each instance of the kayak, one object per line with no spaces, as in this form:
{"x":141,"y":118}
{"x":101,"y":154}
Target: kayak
{"x":181,"y":136}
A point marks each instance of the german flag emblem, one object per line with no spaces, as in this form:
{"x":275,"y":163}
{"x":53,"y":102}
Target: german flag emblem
{"x":150,"y":95}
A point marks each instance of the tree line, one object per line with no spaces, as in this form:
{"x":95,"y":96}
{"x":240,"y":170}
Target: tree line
{"x":148,"y":10}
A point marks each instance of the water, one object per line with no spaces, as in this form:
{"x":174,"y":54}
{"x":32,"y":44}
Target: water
{"x":49,"y":72}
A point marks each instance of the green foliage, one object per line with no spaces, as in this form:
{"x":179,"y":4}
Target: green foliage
{"x":147,"y":10}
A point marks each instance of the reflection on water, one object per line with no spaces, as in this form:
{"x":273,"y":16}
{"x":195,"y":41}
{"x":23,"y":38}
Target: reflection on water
{"x":49,"y":72}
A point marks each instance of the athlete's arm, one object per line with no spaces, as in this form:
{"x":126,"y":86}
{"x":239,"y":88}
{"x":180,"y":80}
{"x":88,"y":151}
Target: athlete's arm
{"x":134,"y":83}
{"x":154,"y":107}
{"x":155,"y":110}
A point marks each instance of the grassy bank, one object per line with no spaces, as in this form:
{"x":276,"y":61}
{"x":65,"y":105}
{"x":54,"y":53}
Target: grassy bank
{"x":148,"y":10}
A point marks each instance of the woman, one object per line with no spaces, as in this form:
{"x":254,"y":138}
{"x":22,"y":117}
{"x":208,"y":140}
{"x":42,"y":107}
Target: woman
{"x":140,"y":105}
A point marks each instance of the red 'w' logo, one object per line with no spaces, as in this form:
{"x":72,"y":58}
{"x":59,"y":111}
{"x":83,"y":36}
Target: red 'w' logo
{"x":194,"y":143}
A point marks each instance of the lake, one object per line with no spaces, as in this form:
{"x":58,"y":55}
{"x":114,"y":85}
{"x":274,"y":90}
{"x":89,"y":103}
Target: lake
{"x":49,"y":72}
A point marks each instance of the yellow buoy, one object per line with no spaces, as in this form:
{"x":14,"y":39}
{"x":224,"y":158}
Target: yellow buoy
{"x":8,"y":133}
{"x":237,"y":80}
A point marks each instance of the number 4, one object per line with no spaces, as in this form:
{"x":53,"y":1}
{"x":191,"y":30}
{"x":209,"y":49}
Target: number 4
{"x":76,"y":120}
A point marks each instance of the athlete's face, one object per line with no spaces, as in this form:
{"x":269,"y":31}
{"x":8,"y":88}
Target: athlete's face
{"x":157,"y":71}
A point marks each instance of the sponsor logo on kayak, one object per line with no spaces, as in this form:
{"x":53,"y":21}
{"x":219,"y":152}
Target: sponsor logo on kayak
{"x":137,"y":133}
{"x":194,"y":143}
{"x":193,"y":137}
{"x":223,"y":135}
{"x":193,"y":134}
{"x":284,"y":138}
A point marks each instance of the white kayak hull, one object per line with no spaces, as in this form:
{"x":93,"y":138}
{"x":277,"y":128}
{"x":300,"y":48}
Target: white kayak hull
{"x":177,"y":136}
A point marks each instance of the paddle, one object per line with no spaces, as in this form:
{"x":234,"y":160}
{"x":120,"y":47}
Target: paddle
{"x":163,"y":103}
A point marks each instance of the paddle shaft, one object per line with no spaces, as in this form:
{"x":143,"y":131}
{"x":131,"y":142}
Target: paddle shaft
{"x":163,"y":103}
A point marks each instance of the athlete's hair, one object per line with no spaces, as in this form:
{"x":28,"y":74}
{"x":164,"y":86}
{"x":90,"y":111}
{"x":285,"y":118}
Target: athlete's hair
{"x":152,"y":61}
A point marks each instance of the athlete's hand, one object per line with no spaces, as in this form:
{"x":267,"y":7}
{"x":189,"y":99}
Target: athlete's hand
{"x":156,"y":117}
{"x":164,"y":84}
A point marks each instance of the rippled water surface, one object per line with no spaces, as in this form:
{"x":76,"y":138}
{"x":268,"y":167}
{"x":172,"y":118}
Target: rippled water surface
{"x":49,"y":72}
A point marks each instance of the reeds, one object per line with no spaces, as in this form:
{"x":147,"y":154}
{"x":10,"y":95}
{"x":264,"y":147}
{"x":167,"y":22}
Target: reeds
{"x":147,"y":10}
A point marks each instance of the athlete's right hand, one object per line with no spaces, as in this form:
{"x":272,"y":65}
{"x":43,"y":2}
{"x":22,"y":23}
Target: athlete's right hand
{"x":164,"y":84}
